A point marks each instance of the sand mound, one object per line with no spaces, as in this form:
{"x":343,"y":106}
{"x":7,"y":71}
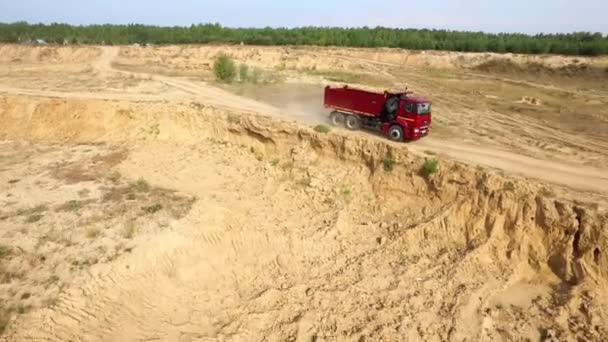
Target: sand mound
{"x":542,"y":69}
{"x":47,"y":54}
{"x":299,"y":235}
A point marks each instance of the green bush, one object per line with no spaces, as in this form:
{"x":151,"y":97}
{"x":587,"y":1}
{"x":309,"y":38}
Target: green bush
{"x":224,"y":68}
{"x":429,"y":167}
{"x":389,"y":161}
{"x":244,"y":73}
{"x":256,"y":76}
{"x":509,"y":186}
{"x":322,"y":129}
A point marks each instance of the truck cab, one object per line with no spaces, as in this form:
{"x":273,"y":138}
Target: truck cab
{"x":414,"y":118}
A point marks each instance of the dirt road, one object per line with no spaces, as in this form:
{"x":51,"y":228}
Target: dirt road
{"x":574,"y":176}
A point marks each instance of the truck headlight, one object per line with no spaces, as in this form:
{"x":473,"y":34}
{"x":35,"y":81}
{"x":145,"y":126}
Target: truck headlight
{"x":416,"y":130}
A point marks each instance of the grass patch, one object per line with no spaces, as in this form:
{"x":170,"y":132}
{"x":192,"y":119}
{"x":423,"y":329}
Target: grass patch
{"x":429,"y":167}
{"x":152,"y":209}
{"x":275,"y":162}
{"x":322,"y":129}
{"x":346,"y":192}
{"x":4,"y":251}
{"x":31,"y":211}
{"x":243,"y":72}
{"x":72,"y":205}
{"x":52,"y":280}
{"x":92,"y":232}
{"x":509,"y":186}
{"x":33,"y":218}
{"x":389,"y":161}
{"x":141,"y":185}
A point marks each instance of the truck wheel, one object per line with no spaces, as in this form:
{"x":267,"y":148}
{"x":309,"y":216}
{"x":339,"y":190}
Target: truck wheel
{"x":352,"y":122}
{"x":336,"y":118}
{"x":395,"y":133}
{"x":391,"y":105}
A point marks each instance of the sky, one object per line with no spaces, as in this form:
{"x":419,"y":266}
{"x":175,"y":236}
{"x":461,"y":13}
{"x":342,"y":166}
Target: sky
{"x":526,"y":16}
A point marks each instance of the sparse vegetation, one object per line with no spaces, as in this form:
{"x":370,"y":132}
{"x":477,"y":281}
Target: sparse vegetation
{"x":430,"y":153}
{"x":153,"y":208}
{"x":92,"y":232}
{"x":256,"y":76}
{"x":429,"y":167}
{"x":31,"y":211}
{"x":4,"y":251}
{"x":346,"y":193}
{"x":73,"y":205}
{"x":52,"y":280}
{"x":322,"y":129}
{"x":33,"y":218}
{"x":224,"y":68}
{"x":509,"y":186}
{"x":389,"y":161}
{"x":243,"y":72}
{"x":275,"y":162}
{"x":141,"y":185}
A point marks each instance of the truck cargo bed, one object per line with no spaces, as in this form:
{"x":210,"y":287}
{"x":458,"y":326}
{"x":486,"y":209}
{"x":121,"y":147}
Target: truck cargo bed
{"x":355,"y":101}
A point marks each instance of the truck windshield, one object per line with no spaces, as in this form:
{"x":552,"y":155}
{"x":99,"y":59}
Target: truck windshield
{"x":423,"y":108}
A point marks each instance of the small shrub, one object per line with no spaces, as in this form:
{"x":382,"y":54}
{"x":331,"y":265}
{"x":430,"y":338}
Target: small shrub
{"x":275,"y":162}
{"x":346,"y":193}
{"x":72,"y":205}
{"x":322,"y":129}
{"x":33,"y":218}
{"x":429,"y":167}
{"x":389,"y":164}
{"x":224,"y":68}
{"x":509,"y":186}
{"x":92,"y":232}
{"x":52,"y":279}
{"x":4,"y":251}
{"x":141,"y":185}
{"x":244,"y":73}
{"x":35,"y":210}
{"x":389,"y":161}
{"x":256,"y":76}
{"x":152,"y":209}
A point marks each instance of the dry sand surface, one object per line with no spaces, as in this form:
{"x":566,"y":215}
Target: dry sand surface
{"x":140,"y":201}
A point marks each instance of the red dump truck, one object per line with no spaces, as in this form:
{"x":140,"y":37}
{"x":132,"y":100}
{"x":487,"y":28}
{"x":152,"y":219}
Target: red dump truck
{"x":396,"y":114}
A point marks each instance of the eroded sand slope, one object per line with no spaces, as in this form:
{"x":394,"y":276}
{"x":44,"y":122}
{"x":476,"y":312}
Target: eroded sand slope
{"x":300,"y":235}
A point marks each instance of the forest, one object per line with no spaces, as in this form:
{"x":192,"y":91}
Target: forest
{"x":578,"y":43}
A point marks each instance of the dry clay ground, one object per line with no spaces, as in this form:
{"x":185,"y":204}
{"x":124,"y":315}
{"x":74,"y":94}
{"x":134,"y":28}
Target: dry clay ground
{"x":153,"y":206}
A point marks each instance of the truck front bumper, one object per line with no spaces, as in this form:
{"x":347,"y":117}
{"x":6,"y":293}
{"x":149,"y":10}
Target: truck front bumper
{"x":417,"y":133}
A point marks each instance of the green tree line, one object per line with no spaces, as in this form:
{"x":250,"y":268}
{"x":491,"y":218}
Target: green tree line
{"x":579,"y":43}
